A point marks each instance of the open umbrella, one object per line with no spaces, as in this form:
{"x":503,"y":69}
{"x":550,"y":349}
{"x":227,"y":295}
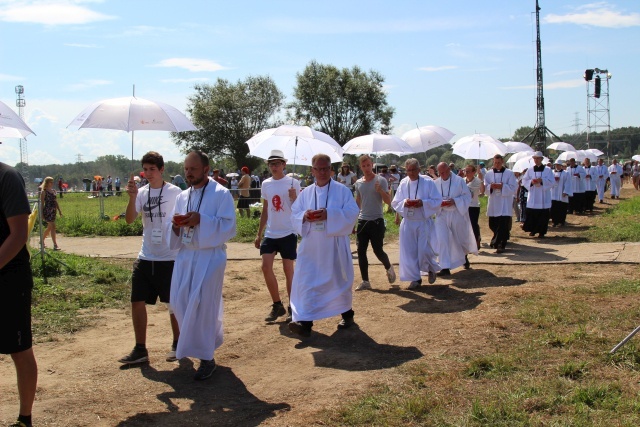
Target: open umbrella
{"x":427,"y":137}
{"x":10,"y":120}
{"x":636,"y":157}
{"x":584,"y":154}
{"x":232,"y":175}
{"x":521,"y":155}
{"x":298,"y":143}
{"x":595,"y":151}
{"x":131,"y":114}
{"x":561,"y":146}
{"x":378,"y":144}
{"x":517,"y":147}
{"x":569,"y":155}
{"x":526,"y":163}
{"x":478,"y":146}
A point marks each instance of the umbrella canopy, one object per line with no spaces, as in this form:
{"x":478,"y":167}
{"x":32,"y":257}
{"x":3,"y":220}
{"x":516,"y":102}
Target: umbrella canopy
{"x":232,"y":175}
{"x":595,"y":151}
{"x":298,"y":143}
{"x":10,"y":120}
{"x":517,"y":147}
{"x":294,"y":175}
{"x":427,"y":137}
{"x":378,"y":144}
{"x":6,"y":132}
{"x":526,"y":163}
{"x":584,"y":154}
{"x":478,"y":146}
{"x":569,"y":155}
{"x":561,"y":146}
{"x":636,"y":157}
{"x":521,"y":155}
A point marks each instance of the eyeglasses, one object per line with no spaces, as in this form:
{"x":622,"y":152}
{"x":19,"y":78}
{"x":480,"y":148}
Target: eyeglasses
{"x":327,"y":169}
{"x":275,"y":163}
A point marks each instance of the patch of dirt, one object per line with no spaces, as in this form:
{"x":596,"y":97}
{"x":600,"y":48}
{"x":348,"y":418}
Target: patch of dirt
{"x":268,"y":377}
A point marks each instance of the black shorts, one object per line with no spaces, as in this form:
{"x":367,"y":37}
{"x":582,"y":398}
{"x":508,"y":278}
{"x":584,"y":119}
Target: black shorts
{"x":150,"y":280}
{"x":16,"y":283}
{"x":286,"y":246}
{"x":244,"y":202}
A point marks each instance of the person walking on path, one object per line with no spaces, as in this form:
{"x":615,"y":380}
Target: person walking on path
{"x":416,"y":201}
{"x":278,"y":194}
{"x":590,"y":179}
{"x":615,"y":177}
{"x":323,"y":214}
{"x":371,"y":191}
{"x":476,"y":187}
{"x":560,"y":193}
{"x":50,"y":206}
{"x":151,"y":276}
{"x":346,"y":176}
{"x":204,"y":219}
{"x":602,"y":173}
{"x":577,"y":173}
{"x":502,"y":185}
{"x":244,"y":187}
{"x":16,"y":283}
{"x":539,"y":180}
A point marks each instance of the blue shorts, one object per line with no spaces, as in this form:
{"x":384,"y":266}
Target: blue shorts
{"x":286,"y":246}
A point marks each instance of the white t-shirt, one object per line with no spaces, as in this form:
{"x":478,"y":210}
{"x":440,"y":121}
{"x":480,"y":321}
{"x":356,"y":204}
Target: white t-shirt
{"x":396,"y":182}
{"x":474,"y":188}
{"x":346,"y":179}
{"x":276,"y":193}
{"x":159,"y":203}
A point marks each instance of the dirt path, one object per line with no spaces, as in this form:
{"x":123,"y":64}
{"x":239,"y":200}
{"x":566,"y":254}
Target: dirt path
{"x":266,"y":376}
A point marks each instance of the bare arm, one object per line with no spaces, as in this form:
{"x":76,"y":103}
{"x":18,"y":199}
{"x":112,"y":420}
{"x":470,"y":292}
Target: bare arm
{"x":132,"y":191}
{"x":263,"y":223}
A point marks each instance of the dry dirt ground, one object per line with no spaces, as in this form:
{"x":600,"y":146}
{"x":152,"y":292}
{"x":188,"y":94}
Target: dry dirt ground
{"x":266,"y":376}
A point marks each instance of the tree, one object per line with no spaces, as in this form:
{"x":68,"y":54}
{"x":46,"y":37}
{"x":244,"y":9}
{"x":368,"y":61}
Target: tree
{"x":227,"y":115}
{"x":521,"y":133}
{"x":342,"y":103}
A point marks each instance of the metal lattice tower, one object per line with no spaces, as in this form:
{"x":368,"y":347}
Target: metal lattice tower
{"x":24,"y":154}
{"x":598,"y":113}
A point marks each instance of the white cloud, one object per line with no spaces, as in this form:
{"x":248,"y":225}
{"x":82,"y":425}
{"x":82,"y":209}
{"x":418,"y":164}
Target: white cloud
{"x":564,"y":84}
{"x":596,"y":15}
{"x":191,"y":64}
{"x":193,"y":80}
{"x":88,"y":84}
{"x":441,"y":68}
{"x":46,"y":12}
{"x":10,"y":78}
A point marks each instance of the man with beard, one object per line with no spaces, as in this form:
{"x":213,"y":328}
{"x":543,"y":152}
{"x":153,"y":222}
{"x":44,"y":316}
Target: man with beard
{"x":502,"y":185}
{"x":453,"y":226}
{"x":560,"y":194}
{"x":204,"y":220}
{"x":539,"y":180}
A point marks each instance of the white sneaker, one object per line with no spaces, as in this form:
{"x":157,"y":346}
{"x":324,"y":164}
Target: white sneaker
{"x":414,"y":285}
{"x":364,"y":285}
{"x":432,"y":277}
{"x":391,"y":275}
{"x":171,"y":356}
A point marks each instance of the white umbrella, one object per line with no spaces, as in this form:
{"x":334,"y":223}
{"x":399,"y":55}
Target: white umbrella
{"x":10,"y":120}
{"x":521,"y":155}
{"x":569,"y":155}
{"x":636,"y":157}
{"x":6,"y":132}
{"x":298,"y":143}
{"x":561,"y":146}
{"x":378,"y":144}
{"x":294,"y":175}
{"x":584,"y":154}
{"x":232,"y":174}
{"x":131,"y":114}
{"x":526,"y":163}
{"x":478,"y":146}
{"x":427,"y":137}
{"x":517,"y":147}
{"x":595,"y":151}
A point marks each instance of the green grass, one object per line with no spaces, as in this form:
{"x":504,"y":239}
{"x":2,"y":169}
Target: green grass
{"x":620,"y":223}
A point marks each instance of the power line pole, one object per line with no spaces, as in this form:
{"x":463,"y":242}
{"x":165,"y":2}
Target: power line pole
{"x":79,"y":158}
{"x":576,"y":123}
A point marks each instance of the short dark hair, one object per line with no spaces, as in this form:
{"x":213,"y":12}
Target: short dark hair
{"x":203,"y":157}
{"x":320,"y":156}
{"x":153,"y":158}
{"x":498,"y":156}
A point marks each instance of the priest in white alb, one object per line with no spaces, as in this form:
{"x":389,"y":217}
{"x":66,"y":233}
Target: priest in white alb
{"x":602,"y":173}
{"x":560,"y":194}
{"x":417,"y":200}
{"x":538,"y":180}
{"x":615,"y":178}
{"x":501,"y":184}
{"x":204,"y":219}
{"x":324,"y":215}
{"x":453,"y":226}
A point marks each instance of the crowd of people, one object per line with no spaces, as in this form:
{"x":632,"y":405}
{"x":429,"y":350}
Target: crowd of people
{"x":186,"y":224}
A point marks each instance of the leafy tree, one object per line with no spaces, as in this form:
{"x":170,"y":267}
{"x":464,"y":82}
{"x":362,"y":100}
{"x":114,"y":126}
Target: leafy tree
{"x":228,"y":114}
{"x":343,"y":103}
{"x":521,"y":133}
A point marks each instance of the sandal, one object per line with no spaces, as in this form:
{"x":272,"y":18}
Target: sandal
{"x":56,"y":248}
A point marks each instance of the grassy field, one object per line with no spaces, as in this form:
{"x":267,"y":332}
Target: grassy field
{"x":618,"y":224}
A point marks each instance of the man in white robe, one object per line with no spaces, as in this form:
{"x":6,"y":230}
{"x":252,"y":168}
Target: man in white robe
{"x":501,"y":184}
{"x":560,"y":194}
{"x":602,"y":173}
{"x":539,"y":181}
{"x":453,"y":226}
{"x":590,"y":179}
{"x":417,"y":200}
{"x":615,"y":178}
{"x":204,"y":219}
{"x":324,"y":215}
{"x":577,"y":173}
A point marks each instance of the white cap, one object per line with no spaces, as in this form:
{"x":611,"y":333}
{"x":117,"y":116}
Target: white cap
{"x":538,"y":154}
{"x":558,"y":162}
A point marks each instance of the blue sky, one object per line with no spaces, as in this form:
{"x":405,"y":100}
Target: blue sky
{"x":466,"y":65}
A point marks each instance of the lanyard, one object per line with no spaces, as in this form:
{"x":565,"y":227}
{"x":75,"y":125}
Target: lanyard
{"x":149,"y":202}
{"x":415,"y":196}
{"x":315,"y":196}
{"x":201,"y":196}
{"x":442,"y":189}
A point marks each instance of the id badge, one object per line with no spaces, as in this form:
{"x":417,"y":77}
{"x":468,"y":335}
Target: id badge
{"x":156,"y":236}
{"x":187,"y":235}
{"x":411,"y":212}
{"x":318,"y":226}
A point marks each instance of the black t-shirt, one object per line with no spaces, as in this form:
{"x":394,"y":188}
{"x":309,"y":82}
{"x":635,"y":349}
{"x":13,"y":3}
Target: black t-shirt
{"x":13,"y":202}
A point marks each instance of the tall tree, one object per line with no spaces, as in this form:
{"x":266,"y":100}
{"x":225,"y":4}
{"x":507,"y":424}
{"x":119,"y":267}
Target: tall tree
{"x":343,"y":103}
{"x":228,"y":114}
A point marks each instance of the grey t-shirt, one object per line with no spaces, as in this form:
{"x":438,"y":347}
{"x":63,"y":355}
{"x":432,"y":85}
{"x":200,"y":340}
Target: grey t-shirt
{"x":370,"y":201}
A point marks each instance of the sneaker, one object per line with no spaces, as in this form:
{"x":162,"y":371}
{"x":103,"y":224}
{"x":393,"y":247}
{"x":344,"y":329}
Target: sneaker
{"x":432,"y":277}
{"x":277,"y":310}
{"x":136,"y":356}
{"x":300,"y":329}
{"x":205,"y":370}
{"x":444,"y":272}
{"x":391,"y":275}
{"x":364,"y":285}
{"x":346,"y":323}
{"x":416,"y":283}
{"x":289,"y":315}
{"x":171,"y":356}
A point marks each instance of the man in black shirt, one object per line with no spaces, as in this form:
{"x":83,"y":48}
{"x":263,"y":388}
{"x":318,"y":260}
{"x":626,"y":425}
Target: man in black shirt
{"x":16,"y":284}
